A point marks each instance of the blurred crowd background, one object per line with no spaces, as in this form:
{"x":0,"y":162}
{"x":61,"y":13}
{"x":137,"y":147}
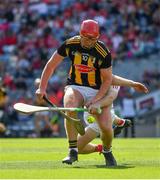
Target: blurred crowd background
{"x":31,"y":30}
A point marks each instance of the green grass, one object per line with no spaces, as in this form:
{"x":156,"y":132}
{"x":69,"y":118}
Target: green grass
{"x":41,"y":159}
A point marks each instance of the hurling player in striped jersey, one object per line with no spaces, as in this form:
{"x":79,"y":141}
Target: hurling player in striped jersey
{"x":89,"y":79}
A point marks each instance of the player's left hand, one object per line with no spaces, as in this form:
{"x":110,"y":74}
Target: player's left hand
{"x":140,"y":87}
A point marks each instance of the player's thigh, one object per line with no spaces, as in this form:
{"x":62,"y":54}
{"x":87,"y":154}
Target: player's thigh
{"x":90,"y":134}
{"x":72,"y":98}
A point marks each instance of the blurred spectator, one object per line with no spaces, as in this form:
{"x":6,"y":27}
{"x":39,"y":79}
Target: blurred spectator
{"x":55,"y":125}
{"x":46,"y":123}
{"x":43,"y":127}
{"x":156,"y":16}
{"x":8,"y":81}
{"x":129,"y":112}
{"x":152,"y":78}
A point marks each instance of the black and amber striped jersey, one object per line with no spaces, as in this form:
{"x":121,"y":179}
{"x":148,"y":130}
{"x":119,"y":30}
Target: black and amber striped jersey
{"x":85,"y":63}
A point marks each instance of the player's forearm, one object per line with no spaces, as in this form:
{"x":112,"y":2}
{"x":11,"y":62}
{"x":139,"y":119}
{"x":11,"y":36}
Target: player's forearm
{"x":49,"y":69}
{"x":106,"y":83}
{"x":119,"y":81}
{"x":107,"y":100}
{"x":103,"y":90}
{"x":46,"y":74}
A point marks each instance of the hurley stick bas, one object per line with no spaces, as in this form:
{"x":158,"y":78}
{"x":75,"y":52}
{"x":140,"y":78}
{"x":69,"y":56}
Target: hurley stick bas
{"x":61,"y":111}
{"x":77,"y":122}
{"x":29,"y":109}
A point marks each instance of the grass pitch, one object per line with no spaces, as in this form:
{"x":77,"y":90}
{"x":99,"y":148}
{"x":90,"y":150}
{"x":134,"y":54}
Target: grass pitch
{"x":41,"y":159}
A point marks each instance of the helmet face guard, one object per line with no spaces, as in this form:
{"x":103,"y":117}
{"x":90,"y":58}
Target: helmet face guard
{"x":89,"y":28}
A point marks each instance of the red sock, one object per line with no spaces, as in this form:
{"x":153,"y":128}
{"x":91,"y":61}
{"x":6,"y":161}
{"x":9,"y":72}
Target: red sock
{"x":121,"y":122}
{"x":99,"y":148}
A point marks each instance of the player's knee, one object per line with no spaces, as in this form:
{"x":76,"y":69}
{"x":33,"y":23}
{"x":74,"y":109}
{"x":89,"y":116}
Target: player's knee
{"x":80,"y":146}
{"x":80,"y":149}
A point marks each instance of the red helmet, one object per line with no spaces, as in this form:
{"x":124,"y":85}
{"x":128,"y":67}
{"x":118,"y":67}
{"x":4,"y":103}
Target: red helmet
{"x":89,"y":28}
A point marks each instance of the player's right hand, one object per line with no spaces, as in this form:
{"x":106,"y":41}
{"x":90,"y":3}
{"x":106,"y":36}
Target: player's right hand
{"x":40,"y":93}
{"x":94,"y":109}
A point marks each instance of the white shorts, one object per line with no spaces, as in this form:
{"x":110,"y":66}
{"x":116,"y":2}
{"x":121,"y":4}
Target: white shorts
{"x":93,"y":125}
{"x":88,"y":117}
{"x":87,"y":92}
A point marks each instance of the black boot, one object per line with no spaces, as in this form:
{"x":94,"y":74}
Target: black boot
{"x":109,"y":159}
{"x":72,"y":157}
